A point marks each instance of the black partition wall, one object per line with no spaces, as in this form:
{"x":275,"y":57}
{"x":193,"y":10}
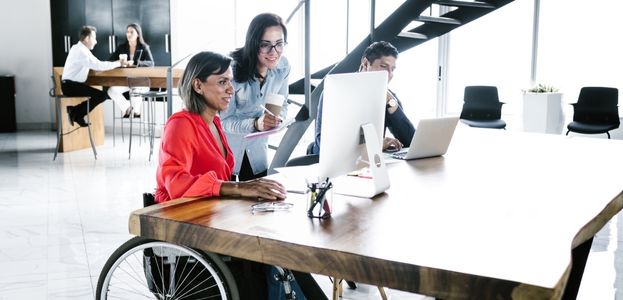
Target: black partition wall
{"x":110,"y":17}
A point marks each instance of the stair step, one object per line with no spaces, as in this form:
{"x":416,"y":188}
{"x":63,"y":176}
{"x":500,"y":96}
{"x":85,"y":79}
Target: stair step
{"x":413,"y":35}
{"x":457,"y":3}
{"x":442,"y":20}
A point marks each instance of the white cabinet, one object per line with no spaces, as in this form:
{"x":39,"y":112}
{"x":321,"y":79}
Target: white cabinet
{"x":542,"y":112}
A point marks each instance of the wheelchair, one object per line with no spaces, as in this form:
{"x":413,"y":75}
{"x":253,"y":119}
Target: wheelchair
{"x":152,"y":269}
{"x":145,"y":268}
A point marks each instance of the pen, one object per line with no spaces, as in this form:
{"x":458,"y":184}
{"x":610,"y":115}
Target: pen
{"x":267,"y":111}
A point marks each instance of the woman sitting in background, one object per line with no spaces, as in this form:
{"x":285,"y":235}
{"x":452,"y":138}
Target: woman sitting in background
{"x":138,"y":54}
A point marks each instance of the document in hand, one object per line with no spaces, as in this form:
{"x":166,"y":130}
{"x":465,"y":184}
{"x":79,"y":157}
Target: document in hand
{"x":279,"y":128}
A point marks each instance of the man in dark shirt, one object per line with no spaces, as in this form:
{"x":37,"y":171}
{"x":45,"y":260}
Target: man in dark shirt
{"x":379,"y":56}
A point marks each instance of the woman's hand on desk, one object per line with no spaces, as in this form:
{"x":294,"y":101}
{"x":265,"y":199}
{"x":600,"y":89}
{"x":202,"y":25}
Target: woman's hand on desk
{"x":265,"y":189}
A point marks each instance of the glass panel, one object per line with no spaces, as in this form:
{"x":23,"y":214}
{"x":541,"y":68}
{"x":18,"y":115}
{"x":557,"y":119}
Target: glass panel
{"x":493,"y":50}
{"x":415,"y":78}
{"x":579,"y":46}
{"x":194,"y":30}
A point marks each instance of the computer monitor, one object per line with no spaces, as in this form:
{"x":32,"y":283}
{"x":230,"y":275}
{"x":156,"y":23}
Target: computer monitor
{"x":353,"y":116}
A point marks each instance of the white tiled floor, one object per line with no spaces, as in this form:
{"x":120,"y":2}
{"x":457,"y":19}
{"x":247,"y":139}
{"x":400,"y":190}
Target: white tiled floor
{"x":60,"y":220}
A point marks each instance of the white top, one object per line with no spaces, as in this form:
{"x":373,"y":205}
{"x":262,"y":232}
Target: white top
{"x":80,"y":60}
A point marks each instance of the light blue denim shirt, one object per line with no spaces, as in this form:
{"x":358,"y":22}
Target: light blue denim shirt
{"x":245,"y":107}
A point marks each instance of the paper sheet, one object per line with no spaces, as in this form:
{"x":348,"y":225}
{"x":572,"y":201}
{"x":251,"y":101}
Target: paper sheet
{"x":293,"y":178}
{"x":279,"y":128}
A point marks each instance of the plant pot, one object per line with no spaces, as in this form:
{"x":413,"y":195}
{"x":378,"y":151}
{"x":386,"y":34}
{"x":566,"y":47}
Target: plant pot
{"x":542,"y":112}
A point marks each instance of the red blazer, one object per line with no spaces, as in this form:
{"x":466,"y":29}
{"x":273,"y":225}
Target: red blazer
{"x":191,"y":163}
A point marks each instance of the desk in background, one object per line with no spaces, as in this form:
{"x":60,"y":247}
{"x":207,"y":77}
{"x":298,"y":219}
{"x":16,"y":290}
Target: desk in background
{"x":496,"y":218}
{"x":115,"y":77}
{"x":119,"y":76}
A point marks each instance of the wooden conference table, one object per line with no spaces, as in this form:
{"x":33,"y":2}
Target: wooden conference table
{"x":496,"y":218}
{"x":119,"y":76}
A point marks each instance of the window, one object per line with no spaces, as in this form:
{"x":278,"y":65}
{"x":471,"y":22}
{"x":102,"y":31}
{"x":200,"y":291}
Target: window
{"x":492,"y":50}
{"x":580,"y":46}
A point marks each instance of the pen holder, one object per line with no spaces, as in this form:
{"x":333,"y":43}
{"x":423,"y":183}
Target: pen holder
{"x":320,"y":199}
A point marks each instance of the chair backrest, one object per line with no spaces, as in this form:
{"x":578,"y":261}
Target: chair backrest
{"x":148,"y":199}
{"x":598,"y":96}
{"x":481,"y":103}
{"x":57,"y":73}
{"x":305,"y":160}
{"x":134,"y":82}
{"x":481,"y":94}
{"x":597,"y":105}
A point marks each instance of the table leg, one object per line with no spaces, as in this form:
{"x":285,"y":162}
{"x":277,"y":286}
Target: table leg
{"x":382,"y":292}
{"x":59,"y":126}
{"x":579,"y":255}
{"x":337,"y":288}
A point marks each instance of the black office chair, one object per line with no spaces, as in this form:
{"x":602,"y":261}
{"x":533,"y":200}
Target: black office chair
{"x":482,"y":107}
{"x":596,"y":111}
{"x":304,"y":160}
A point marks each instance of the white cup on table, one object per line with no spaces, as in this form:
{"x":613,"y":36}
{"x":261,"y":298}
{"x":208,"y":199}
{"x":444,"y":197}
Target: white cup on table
{"x":124,"y":59}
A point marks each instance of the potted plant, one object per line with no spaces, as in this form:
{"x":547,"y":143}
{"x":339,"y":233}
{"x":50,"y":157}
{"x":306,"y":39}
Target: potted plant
{"x":542,"y":109}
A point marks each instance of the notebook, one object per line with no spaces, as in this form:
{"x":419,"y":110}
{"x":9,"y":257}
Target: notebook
{"x":432,"y":138}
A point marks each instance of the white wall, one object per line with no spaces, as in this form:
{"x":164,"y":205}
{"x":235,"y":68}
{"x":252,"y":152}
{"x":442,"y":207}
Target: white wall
{"x":26,"y":52}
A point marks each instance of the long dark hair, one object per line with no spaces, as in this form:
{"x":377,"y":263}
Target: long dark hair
{"x":139,"y":31}
{"x":200,"y":66}
{"x":245,"y":58}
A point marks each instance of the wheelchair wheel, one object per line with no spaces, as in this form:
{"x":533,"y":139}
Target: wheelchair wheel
{"x":150,"y":269}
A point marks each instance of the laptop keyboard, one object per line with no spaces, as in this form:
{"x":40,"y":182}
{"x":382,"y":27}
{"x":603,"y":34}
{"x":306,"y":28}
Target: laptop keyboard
{"x":400,"y":155}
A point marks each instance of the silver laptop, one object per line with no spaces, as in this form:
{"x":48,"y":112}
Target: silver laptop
{"x":432,"y":138}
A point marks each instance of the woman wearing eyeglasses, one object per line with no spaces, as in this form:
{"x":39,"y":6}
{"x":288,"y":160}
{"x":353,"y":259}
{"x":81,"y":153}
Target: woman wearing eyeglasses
{"x":259,"y":70}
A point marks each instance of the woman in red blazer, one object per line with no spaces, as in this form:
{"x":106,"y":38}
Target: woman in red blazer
{"x":195,"y":159}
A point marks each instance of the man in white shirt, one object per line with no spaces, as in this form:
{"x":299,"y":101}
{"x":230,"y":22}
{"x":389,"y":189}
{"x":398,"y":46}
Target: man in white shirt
{"x":79,"y":61}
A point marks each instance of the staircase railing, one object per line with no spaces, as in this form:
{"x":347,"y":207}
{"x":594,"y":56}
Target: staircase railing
{"x":394,"y":30}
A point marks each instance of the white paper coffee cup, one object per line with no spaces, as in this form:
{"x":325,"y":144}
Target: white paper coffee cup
{"x":273,"y":103}
{"x":123,"y":58}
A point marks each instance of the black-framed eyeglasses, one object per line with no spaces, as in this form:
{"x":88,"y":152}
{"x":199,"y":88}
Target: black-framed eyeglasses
{"x":266,"y":47}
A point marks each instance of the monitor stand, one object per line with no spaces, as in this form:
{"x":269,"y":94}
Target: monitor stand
{"x":366,"y":187}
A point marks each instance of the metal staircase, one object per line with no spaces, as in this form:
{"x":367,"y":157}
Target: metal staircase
{"x":395,"y":29}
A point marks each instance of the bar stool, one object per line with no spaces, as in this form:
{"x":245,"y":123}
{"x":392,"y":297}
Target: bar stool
{"x":122,"y":120}
{"x":148,"y":113}
{"x":119,"y":116}
{"x":59,"y":121}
